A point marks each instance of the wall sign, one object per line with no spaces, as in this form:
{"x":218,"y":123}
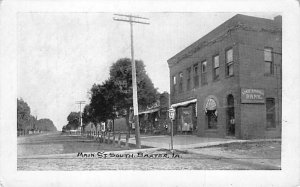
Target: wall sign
{"x":250,"y":95}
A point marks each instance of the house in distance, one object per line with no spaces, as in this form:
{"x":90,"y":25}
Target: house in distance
{"x":228,"y":83}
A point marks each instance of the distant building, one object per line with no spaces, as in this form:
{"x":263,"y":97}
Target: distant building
{"x":228,"y":83}
{"x":154,"y":119}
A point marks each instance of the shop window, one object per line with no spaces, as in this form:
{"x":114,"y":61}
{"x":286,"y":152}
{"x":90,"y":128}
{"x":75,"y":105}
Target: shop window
{"x":188,"y":79}
{"x":270,"y":107}
{"x":268,"y":60}
{"x":204,"y":72}
{"x":216,"y":64}
{"x":196,"y":76}
{"x":229,"y":62}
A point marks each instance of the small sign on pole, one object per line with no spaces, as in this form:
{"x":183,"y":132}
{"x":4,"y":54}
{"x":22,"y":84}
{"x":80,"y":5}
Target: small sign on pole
{"x":172,"y":113}
{"x":172,"y":117}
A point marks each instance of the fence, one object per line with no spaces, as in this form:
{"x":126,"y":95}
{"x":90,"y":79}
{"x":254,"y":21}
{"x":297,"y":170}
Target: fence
{"x":108,"y":137}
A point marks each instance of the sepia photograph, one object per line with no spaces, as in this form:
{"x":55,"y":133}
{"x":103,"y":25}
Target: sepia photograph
{"x":140,"y":94}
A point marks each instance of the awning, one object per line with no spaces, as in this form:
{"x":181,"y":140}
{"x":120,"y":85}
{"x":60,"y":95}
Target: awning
{"x":184,"y":103}
{"x":149,"y":111}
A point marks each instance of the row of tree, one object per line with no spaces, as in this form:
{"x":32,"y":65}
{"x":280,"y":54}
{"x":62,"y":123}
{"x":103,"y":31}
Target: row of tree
{"x":27,"y":122}
{"x":113,"y":97}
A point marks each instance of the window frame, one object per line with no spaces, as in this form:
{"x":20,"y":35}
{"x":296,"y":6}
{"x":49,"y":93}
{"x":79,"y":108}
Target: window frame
{"x":188,"y":79}
{"x":229,"y":64}
{"x":196,"y":76}
{"x":180,"y":82}
{"x":216,"y":68}
{"x":174,"y":81}
{"x":204,"y":73}
{"x":271,"y":70}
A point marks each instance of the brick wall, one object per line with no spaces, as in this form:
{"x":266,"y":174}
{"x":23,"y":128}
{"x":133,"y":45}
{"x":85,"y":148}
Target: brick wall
{"x":248,"y":56}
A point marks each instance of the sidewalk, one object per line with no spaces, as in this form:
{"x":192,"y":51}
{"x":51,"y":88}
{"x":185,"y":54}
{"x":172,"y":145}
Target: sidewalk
{"x":184,"y":142}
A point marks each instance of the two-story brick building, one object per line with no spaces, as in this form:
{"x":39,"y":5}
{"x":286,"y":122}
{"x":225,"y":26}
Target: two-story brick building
{"x":228,"y":83}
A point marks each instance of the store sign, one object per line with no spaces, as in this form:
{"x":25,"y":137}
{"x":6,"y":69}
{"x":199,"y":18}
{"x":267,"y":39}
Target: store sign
{"x":249,"y":95}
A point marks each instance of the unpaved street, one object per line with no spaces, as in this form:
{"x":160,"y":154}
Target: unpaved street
{"x":59,"y":152}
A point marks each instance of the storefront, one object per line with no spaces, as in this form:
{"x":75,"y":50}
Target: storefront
{"x":186,"y":117}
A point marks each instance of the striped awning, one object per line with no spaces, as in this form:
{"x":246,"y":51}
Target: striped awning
{"x":149,"y":111}
{"x":184,"y":103}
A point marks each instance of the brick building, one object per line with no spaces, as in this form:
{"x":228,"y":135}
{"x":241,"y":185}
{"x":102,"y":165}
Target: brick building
{"x":228,"y":83}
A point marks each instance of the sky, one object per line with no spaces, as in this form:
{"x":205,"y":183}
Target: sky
{"x":61,"y":55}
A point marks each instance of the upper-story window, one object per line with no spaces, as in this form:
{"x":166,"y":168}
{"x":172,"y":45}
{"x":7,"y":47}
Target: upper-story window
{"x":204,"y":72}
{"x":268,"y":60}
{"x":216,"y":65}
{"x":174,"y":80}
{"x":180,"y":82}
{"x":196,"y":75}
{"x":188,"y":78}
{"x":174,"y":85}
{"x":229,"y":62}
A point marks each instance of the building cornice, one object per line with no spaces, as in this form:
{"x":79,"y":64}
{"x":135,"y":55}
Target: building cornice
{"x":198,"y":45}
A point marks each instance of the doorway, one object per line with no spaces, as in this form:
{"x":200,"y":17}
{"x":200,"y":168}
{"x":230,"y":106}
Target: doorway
{"x":230,"y":126}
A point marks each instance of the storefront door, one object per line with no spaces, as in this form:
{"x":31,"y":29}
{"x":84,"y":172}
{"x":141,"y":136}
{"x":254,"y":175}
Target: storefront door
{"x":185,"y":120}
{"x":230,"y":126}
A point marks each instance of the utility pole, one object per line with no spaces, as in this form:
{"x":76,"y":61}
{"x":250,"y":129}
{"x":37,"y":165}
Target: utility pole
{"x":133,"y":19}
{"x":80,"y":114}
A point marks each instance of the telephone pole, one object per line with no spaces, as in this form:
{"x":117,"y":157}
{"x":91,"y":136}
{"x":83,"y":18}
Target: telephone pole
{"x":80,"y":114}
{"x":133,"y":19}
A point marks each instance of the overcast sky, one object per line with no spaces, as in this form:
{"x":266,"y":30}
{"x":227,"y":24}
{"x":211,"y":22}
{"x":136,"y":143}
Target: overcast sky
{"x":61,"y":55}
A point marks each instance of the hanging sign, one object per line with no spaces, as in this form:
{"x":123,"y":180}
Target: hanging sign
{"x":250,"y":95}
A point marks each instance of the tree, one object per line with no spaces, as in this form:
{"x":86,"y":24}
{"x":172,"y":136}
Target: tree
{"x":46,"y":125}
{"x":102,"y":106}
{"x":87,"y":114}
{"x":121,"y":76}
{"x":23,"y":114}
{"x":73,"y":120}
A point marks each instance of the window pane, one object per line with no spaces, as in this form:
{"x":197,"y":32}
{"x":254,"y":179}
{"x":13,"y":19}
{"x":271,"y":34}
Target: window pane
{"x":204,"y":66}
{"x":216,"y":61}
{"x":268,"y":67}
{"x":217,"y":72}
{"x":270,"y":112}
{"x":195,"y":69}
{"x":268,"y":54}
{"x":230,"y":69}
{"x":174,"y":80}
{"x":229,"y":57}
{"x":189,"y":73}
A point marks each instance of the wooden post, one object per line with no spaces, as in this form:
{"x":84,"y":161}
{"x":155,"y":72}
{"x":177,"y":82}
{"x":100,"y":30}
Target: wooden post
{"x":119,"y":139}
{"x":108,"y":140}
{"x":127,"y":139}
{"x":114,"y":139}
